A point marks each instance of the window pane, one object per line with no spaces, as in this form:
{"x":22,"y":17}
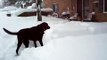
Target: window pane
{"x":55,"y":7}
{"x":101,"y":5}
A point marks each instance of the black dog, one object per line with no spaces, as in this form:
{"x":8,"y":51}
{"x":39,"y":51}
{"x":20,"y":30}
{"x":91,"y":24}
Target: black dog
{"x":33,"y":33}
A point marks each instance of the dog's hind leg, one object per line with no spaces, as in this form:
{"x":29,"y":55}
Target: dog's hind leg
{"x":18,"y":46}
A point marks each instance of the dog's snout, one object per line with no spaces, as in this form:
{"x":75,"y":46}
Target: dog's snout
{"x":48,"y":27}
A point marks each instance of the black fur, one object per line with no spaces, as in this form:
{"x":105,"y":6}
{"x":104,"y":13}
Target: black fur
{"x":33,"y":33}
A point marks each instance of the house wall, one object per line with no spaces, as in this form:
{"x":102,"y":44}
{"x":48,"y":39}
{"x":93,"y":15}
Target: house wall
{"x":99,"y":16}
{"x":72,"y":5}
{"x":62,"y":4}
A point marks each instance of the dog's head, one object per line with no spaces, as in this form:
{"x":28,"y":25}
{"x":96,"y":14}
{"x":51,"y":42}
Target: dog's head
{"x":44,"y":26}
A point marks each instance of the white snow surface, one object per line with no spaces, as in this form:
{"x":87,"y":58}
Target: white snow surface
{"x":19,"y":11}
{"x":65,"y":40}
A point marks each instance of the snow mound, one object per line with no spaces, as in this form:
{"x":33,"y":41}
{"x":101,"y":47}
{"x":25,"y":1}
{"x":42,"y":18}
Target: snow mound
{"x":90,"y":47}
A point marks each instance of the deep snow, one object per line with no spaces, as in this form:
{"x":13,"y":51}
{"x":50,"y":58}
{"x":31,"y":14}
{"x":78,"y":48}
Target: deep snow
{"x":66,"y":40}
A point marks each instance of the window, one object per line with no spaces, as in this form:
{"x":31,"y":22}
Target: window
{"x":103,"y":6}
{"x":55,"y":7}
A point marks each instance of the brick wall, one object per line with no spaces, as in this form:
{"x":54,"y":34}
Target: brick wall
{"x":62,"y":4}
{"x":99,"y":16}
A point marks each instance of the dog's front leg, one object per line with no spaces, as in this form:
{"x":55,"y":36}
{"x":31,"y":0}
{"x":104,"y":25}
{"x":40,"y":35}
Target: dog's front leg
{"x":35,"y":44}
{"x":40,"y":41}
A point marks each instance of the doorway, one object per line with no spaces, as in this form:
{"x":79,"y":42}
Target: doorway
{"x":79,"y":9}
{"x":86,"y":9}
{"x":83,"y":9}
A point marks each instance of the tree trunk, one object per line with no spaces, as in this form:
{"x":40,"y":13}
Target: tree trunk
{"x":39,"y":16}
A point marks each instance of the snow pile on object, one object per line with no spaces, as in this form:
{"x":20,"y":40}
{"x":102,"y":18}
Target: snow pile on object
{"x":19,"y":11}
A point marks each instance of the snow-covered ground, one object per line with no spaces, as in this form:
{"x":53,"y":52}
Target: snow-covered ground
{"x":14,"y":11}
{"x":65,"y":40}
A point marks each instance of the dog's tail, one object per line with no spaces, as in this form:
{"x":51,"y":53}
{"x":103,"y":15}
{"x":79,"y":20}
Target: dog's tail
{"x":7,"y":31}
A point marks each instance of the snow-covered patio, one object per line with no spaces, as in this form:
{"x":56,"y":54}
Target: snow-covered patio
{"x":66,"y":40}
